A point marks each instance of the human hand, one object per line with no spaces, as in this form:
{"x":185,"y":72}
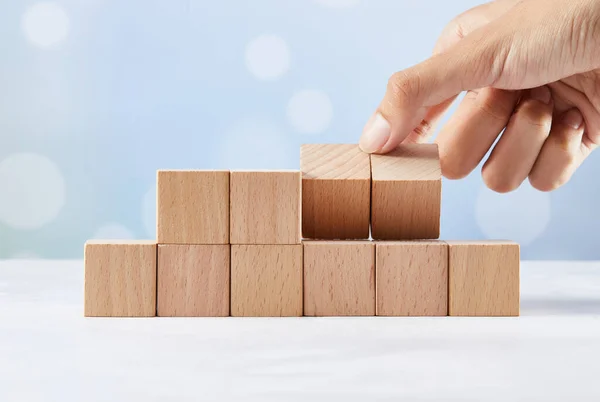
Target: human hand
{"x":531,"y":67}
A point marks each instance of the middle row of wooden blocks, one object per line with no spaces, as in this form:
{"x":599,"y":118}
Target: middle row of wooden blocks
{"x":340,"y":194}
{"x":339,"y":278}
{"x":222,"y":207}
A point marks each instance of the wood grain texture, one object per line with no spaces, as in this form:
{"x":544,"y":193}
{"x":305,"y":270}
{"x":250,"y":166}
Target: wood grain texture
{"x":484,"y":278}
{"x":120,"y":279}
{"x":339,"y":278}
{"x":265,"y":207}
{"x":192,"y":207}
{"x":412,"y":278}
{"x":406,"y":193}
{"x":193,"y":280}
{"x":336,"y":191}
{"x":266,"y":280}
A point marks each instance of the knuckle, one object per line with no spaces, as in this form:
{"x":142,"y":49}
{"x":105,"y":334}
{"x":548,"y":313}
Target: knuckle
{"x":570,"y":159}
{"x":454,"y":163}
{"x":591,"y":139}
{"x":454,"y":170}
{"x":423,"y":130}
{"x":455,"y":29}
{"x":495,"y":110}
{"x":452,"y":33}
{"x":403,"y":87}
{"x":535,"y":116}
{"x":590,"y":81}
{"x":544,"y":184}
{"x":458,"y":29}
{"x":498,"y":183}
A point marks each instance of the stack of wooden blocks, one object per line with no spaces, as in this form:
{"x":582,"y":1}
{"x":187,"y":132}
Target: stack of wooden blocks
{"x":350,"y":234}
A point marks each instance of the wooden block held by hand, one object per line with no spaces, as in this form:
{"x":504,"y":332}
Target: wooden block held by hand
{"x":193,"y":207}
{"x":484,"y":278}
{"x":266,"y":280}
{"x":406,"y":193}
{"x":412,"y":278}
{"x":193,"y":280}
{"x":120,"y":279}
{"x":339,"y":278}
{"x":336,"y":191}
{"x":265,"y":207}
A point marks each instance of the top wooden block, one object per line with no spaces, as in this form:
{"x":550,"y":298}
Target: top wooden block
{"x":406,"y":193}
{"x":408,"y":162}
{"x":334,"y":161}
{"x":265,"y":207}
{"x":192,"y":207}
{"x":336,"y":191}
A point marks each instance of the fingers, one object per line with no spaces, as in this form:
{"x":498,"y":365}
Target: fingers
{"x":514,"y":156}
{"x":474,"y":62}
{"x":573,"y":98}
{"x":470,"y":21}
{"x":456,"y":30}
{"x":472,"y":130}
{"x":411,"y":92}
{"x":417,"y":98}
{"x":535,"y":144}
{"x":425,"y":129}
{"x":561,"y":154}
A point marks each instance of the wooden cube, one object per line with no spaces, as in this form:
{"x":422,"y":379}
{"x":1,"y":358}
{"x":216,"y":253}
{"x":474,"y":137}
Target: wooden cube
{"x":412,"y":278}
{"x":266,"y":280}
{"x":484,"y":278}
{"x":336,"y":191}
{"x":265,"y":207}
{"x":193,"y":280}
{"x":193,"y":207}
{"x":339,"y":278}
{"x":406,"y":193}
{"x":120,"y":279}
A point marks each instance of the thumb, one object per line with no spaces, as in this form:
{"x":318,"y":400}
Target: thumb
{"x":475,"y":62}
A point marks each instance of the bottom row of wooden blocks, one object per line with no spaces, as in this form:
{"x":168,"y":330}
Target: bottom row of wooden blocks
{"x":316,"y":278}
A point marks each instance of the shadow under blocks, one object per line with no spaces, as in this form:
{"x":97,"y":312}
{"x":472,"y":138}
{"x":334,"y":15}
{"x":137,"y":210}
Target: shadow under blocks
{"x":349,"y":234}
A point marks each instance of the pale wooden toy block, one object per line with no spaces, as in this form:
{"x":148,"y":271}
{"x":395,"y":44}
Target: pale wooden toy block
{"x":484,"y":278}
{"x":193,"y":280}
{"x":412,"y":278}
{"x":336,"y":191}
{"x":120,"y":278}
{"x":339,"y":278}
{"x":265,"y":207}
{"x":406,"y":193}
{"x":266,"y":280}
{"x":192,"y":207}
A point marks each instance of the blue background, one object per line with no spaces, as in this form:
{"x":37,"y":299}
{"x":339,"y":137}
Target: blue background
{"x":130,"y":87}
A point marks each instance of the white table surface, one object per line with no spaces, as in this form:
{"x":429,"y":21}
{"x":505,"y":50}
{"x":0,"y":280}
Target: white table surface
{"x":50,"y":352}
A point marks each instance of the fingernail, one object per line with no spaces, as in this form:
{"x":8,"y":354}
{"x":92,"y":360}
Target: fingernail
{"x":375,"y":134}
{"x":573,"y":118}
{"x":541,"y":94}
